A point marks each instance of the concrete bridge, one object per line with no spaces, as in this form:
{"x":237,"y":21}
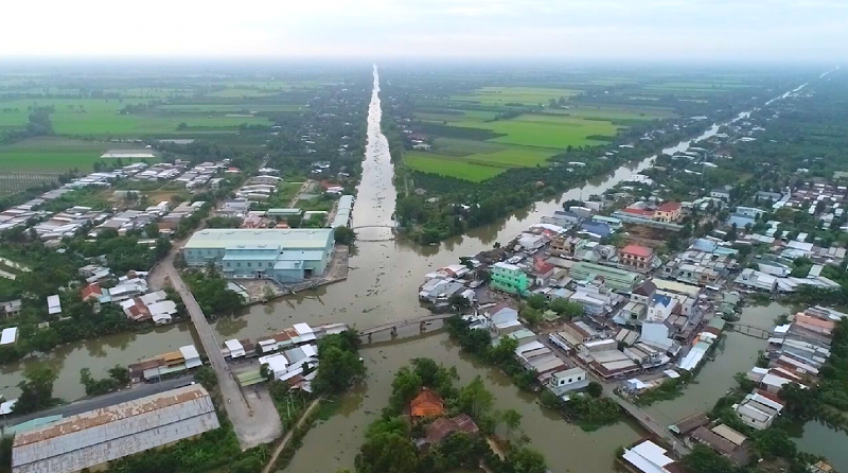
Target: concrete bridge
{"x":394,"y":326}
{"x":373,"y":226}
{"x":750,"y":331}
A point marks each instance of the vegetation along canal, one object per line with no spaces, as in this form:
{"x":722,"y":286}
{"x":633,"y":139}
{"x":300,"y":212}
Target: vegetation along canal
{"x":382,"y":287}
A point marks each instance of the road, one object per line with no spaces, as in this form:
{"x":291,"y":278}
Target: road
{"x":252,"y":430}
{"x":272,"y":462}
{"x":106,"y":400}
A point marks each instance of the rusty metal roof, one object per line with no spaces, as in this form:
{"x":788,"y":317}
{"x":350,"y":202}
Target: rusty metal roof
{"x":95,"y":437}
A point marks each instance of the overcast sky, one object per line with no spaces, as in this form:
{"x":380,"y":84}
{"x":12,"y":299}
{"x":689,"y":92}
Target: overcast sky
{"x":698,"y":30}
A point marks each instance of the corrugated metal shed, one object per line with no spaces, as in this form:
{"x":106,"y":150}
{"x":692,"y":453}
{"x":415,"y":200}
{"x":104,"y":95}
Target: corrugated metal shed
{"x":95,"y":437}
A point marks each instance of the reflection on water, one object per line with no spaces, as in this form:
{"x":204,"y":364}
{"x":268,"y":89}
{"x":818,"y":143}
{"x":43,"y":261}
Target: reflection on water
{"x":819,"y":439}
{"x":739,"y":354}
{"x":568,"y":449}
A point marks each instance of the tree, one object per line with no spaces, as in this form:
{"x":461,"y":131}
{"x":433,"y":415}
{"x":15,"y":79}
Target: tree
{"x":345,"y":235}
{"x":459,"y":302}
{"x":702,"y":459}
{"x":512,"y":420}
{"x":566,"y":308}
{"x":340,"y":363}
{"x":387,"y":453}
{"x":474,"y":399}
{"x":531,"y":315}
{"x":595,"y":389}
{"x":36,"y":391}
{"x":265,"y":372}
{"x":205,"y":375}
{"x":526,"y":460}
{"x":537,"y":301}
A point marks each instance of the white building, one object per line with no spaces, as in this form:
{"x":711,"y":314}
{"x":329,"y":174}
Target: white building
{"x":54,"y":306}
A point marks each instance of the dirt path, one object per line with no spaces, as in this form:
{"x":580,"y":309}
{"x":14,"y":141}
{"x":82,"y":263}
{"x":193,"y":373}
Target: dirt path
{"x":288,"y":436}
{"x":303,"y":188}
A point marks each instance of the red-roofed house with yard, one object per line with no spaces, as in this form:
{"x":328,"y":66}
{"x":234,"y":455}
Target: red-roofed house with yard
{"x":636,"y":256}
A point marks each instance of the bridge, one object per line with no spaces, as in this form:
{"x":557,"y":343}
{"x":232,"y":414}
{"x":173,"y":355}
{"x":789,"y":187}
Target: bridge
{"x":394,"y":326}
{"x":751,"y":331}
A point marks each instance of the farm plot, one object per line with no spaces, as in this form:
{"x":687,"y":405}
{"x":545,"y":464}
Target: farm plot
{"x":14,"y":182}
{"x":524,"y":96}
{"x":52,"y":155}
{"x":450,"y":167}
{"x":101,"y":117}
{"x":549,"y":131}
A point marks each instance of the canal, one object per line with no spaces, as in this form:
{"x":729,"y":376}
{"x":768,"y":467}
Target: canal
{"x":382,"y":287}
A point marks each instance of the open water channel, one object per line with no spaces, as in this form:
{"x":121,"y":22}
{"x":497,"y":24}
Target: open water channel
{"x":382,"y":287}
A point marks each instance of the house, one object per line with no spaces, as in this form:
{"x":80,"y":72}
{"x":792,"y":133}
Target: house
{"x":441,"y":428}
{"x":426,"y":404}
{"x":720,"y":194}
{"x":542,"y":271}
{"x":726,"y":441}
{"x":636,"y":256}
{"x":504,"y":320}
{"x":10,"y":308}
{"x":509,"y":278}
{"x":9,"y":336}
{"x":54,"y":305}
{"x":759,"y":409}
{"x":564,"y":381}
{"x":648,"y":457}
{"x":91,"y":292}
{"x":668,"y":212}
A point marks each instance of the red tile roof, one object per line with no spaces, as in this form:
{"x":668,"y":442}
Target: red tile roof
{"x":669,"y":207}
{"x":644,"y":213}
{"x":427,"y":404}
{"x":92,"y":290}
{"x":637,"y":250}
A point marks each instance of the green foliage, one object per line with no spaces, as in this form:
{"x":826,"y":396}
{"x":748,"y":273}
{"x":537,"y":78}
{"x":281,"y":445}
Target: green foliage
{"x":474,"y":399}
{"x":344,"y":235}
{"x":502,"y":354}
{"x":205,"y":375}
{"x":212,"y":294}
{"x":566,"y":308}
{"x":703,"y":459}
{"x":537,"y":301}
{"x":119,"y":377}
{"x":340,"y":364}
{"x":594,"y":389}
{"x":36,"y":391}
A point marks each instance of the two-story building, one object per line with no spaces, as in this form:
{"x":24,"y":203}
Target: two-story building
{"x":668,"y":212}
{"x":637,"y":257}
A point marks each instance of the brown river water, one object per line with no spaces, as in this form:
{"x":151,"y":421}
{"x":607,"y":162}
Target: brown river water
{"x":382,"y":287}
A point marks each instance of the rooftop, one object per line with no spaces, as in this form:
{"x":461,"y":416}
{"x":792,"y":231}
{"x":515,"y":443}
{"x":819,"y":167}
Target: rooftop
{"x":95,"y":437}
{"x":302,"y":238}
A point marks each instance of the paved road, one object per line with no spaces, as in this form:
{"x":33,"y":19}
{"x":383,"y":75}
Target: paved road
{"x":106,"y":400}
{"x":251,"y":430}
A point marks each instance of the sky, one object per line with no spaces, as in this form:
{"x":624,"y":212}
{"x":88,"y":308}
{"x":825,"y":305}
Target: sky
{"x":671,"y":30}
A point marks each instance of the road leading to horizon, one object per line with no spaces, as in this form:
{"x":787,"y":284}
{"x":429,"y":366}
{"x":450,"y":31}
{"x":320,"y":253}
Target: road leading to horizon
{"x":376,"y":195}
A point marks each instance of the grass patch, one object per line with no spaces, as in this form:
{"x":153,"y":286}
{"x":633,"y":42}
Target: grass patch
{"x":52,"y":154}
{"x":432,"y":164}
{"x":615,"y":113}
{"x":549,"y":131}
{"x":101,"y":117}
{"x":238,"y":92}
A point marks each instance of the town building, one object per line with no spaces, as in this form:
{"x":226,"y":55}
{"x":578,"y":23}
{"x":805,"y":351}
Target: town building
{"x":509,"y":278}
{"x":561,"y":382}
{"x":638,"y":257}
{"x":617,"y":279}
{"x":286,"y":255}
{"x":90,"y":440}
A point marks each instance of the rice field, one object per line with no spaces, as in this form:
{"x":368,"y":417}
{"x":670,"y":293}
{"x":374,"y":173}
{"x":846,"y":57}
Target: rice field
{"x":514,"y":95}
{"x":52,"y":155}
